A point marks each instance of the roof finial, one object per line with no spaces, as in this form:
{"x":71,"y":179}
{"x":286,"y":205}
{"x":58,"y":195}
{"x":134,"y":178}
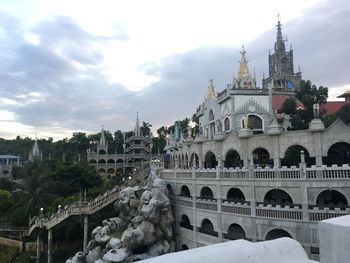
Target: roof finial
{"x":279,"y":18}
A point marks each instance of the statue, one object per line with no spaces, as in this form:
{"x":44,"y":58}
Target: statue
{"x":316,"y":108}
{"x":219,"y":125}
{"x":245,"y":121}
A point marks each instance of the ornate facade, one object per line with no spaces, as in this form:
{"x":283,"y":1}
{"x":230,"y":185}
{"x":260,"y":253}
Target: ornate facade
{"x":245,"y":176}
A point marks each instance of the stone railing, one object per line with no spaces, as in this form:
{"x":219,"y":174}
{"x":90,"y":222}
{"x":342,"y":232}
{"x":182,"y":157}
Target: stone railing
{"x":319,"y":214}
{"x":207,"y":204}
{"x":282,"y":173}
{"x":279,"y":212}
{"x":240,"y":208}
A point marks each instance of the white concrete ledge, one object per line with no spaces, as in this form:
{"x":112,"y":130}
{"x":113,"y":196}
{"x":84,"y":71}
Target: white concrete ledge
{"x":284,"y":250}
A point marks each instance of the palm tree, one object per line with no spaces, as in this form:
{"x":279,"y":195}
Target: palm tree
{"x":146,"y":129}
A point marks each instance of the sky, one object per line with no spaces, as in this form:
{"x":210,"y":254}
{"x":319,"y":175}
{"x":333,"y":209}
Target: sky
{"x":74,"y":65}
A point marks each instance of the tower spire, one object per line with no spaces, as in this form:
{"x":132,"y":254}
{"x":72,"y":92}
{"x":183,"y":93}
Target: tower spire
{"x":102,"y":138}
{"x":279,"y":44}
{"x":137,"y":126}
{"x":243,"y":65}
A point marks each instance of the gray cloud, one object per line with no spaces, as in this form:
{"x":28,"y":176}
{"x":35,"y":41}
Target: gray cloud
{"x":320,"y":40}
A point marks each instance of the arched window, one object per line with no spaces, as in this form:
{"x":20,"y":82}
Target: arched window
{"x":292,"y":156}
{"x":255,"y":123}
{"x":102,"y":151}
{"x":185,"y":222}
{"x":110,"y":171}
{"x":211,"y":115}
{"x":194,"y":160}
{"x":261,"y":157}
{"x":185,"y":191}
{"x":207,"y":228}
{"x":227,"y":124}
{"x":102,"y":161}
{"x":331,"y":198}
{"x":92,"y":161}
{"x":234,"y":232}
{"x":206,"y":193}
{"x":119,"y":161}
{"x":232,"y":159}
{"x":277,"y":197}
{"x":184,"y":247}
{"x":338,"y":153}
{"x":110,"y":161}
{"x":277,"y":233}
{"x":210,"y":160}
{"x":170,"y":189}
{"x":235,"y":195}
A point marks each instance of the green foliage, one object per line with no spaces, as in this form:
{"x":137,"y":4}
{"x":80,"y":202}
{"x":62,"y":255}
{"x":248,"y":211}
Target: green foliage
{"x":328,"y":119}
{"x":309,"y":95}
{"x":6,"y":201}
{"x":25,"y":257}
{"x":289,"y":106}
{"x":145,"y":129}
{"x":344,"y":114}
{"x":7,"y":254}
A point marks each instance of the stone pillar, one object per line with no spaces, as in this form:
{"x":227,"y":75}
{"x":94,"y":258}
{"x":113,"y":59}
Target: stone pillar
{"x":38,"y":248}
{"x":86,"y":228}
{"x":252,"y":199}
{"x":49,"y":245}
{"x":194,"y":218}
{"x":318,"y":148}
{"x":219,"y":211}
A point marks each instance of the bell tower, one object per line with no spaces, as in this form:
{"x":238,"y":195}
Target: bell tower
{"x":281,"y":78}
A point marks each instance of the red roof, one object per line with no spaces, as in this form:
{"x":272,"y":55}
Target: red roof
{"x":278,"y":100}
{"x":332,"y":106}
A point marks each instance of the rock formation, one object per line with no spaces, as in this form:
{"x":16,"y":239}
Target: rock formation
{"x":141,"y":229}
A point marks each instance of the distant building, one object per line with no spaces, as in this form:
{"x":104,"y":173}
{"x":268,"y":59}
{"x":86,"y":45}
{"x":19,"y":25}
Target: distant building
{"x":136,"y":154}
{"x":35,"y":153}
{"x":7,"y":162}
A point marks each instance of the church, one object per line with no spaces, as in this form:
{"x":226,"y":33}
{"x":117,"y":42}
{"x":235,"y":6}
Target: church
{"x":235,"y":179}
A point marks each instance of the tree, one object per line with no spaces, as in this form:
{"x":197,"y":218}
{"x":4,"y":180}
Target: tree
{"x":344,"y":114}
{"x":146,"y":129}
{"x":6,"y":201}
{"x":309,"y":95}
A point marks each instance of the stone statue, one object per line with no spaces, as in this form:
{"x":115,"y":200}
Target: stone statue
{"x":200,"y":130}
{"x":245,"y":121}
{"x":316,"y":108}
{"x":219,"y":126}
{"x":143,"y":220}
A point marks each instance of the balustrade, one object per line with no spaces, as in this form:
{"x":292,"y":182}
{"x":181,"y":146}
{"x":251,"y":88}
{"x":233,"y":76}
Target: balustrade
{"x":236,"y":207}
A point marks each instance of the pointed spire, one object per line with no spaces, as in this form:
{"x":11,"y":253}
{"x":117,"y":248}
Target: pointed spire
{"x":102,"y":138}
{"x":211,"y":89}
{"x":137,"y":131}
{"x":243,"y":65}
{"x":35,"y":150}
{"x":279,"y":44}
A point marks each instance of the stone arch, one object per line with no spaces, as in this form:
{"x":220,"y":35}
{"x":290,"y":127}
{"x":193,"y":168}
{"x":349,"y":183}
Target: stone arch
{"x":101,"y":161}
{"x":185,"y":222}
{"x":186,"y":161}
{"x":119,"y":171}
{"x":207,"y":228}
{"x":110,"y":161}
{"x":184,"y":247}
{"x":331,"y":198}
{"x":261,"y":157}
{"x":235,"y":231}
{"x":92,"y":161}
{"x":102,"y":170}
{"x":232,"y":159}
{"x":185,"y":191}
{"x":110,"y":171}
{"x":235,"y":195}
{"x":278,"y":197}
{"x":119,"y":161}
{"x":170,"y":189}
{"x":292,"y":156}
{"x":210,"y":160}
{"x":194,"y":161}
{"x":211,"y":115}
{"x":5,"y":172}
{"x":277,"y":233}
{"x":227,"y":126}
{"x":102,"y":151}
{"x":206,"y":193}
{"x":338,"y":153}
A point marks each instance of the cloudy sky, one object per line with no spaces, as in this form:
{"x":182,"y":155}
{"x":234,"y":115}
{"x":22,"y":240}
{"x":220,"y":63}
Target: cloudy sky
{"x":74,"y":65}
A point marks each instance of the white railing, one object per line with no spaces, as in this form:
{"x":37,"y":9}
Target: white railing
{"x":281,"y":173}
{"x":240,"y":208}
{"x":279,"y":212}
{"x":319,"y":214}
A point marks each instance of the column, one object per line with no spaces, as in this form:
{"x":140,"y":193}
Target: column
{"x":86,"y":228}
{"x":318,"y":148}
{"x":49,"y":245}
{"x":38,"y":248}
